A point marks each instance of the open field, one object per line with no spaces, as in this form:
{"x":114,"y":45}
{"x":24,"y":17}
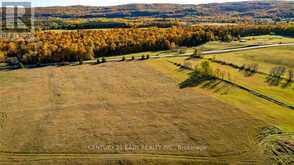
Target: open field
{"x":256,"y":82}
{"x":64,"y":110}
{"x":246,"y":41}
{"x":217,"y":45}
{"x":259,"y":108}
{"x":90,"y":82}
{"x":278,"y":146}
{"x":266,"y":58}
{"x":136,"y":113}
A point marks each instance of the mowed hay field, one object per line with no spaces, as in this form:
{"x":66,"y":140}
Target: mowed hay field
{"x":55,"y":115}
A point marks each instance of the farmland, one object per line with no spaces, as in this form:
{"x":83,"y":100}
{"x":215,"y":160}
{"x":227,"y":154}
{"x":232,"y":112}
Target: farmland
{"x":247,"y":41}
{"x":276,"y":115}
{"x":62,"y":110}
{"x":131,"y":111}
{"x":66,"y":112}
{"x":203,"y":84}
{"x":135,"y":83}
{"x":266,"y":58}
{"x":259,"y":82}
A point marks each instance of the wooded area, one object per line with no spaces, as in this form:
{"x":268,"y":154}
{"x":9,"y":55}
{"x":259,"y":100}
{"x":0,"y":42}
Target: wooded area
{"x":50,"y":46}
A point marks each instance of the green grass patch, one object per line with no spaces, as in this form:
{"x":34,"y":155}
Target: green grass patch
{"x":266,"y":58}
{"x":259,"y":108}
{"x":246,"y":41}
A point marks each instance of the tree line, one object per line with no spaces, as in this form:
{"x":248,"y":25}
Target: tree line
{"x":68,"y":46}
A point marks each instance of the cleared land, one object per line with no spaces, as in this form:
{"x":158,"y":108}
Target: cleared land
{"x":63,"y":110}
{"x":255,"y":82}
{"x":266,"y":58}
{"x":247,"y":41}
{"x":278,"y":143}
{"x":259,"y":108}
{"x":73,"y":114}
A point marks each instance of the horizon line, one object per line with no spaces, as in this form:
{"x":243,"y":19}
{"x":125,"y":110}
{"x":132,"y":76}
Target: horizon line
{"x":122,"y":4}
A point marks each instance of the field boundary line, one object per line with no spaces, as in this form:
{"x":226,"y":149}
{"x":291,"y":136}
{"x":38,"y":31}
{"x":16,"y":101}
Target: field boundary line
{"x":260,"y":95}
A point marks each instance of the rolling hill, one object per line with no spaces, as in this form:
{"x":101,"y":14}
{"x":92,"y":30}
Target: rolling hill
{"x":256,"y":9}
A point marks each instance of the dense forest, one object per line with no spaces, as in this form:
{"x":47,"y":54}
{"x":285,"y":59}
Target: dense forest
{"x":105,"y":23}
{"x":50,"y":46}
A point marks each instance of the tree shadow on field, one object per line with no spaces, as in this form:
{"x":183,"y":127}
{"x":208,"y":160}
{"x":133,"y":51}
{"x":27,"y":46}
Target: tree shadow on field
{"x":278,"y":81}
{"x":195,"y":79}
{"x":273,"y":80}
{"x":204,"y":82}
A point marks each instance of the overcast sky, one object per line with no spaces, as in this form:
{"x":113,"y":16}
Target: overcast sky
{"x":113,"y":2}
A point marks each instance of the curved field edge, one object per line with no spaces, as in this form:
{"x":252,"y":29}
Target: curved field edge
{"x":257,"y":107}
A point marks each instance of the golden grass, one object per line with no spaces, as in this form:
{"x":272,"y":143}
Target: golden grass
{"x":63,"y":110}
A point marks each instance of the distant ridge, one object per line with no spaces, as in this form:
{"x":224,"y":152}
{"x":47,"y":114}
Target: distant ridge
{"x":257,"y":9}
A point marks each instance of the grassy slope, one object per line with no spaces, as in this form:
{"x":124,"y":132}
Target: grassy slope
{"x":259,"y":108}
{"x":246,"y":41}
{"x":60,"y":109}
{"x":258,"y":83}
{"x":216,"y":45}
{"x":266,"y":58}
{"x":65,"y":109}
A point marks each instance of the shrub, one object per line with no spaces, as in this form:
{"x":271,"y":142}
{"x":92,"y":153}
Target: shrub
{"x":243,"y":67}
{"x":143,"y":57}
{"x":206,"y":69}
{"x":278,"y":71}
{"x":81,"y":61}
{"x":103,"y":60}
{"x":228,"y":38}
{"x":123,"y":58}
{"x":254,"y":68}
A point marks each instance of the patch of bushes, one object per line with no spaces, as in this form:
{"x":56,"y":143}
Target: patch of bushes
{"x":123,"y":58}
{"x":103,"y":60}
{"x":249,"y":69}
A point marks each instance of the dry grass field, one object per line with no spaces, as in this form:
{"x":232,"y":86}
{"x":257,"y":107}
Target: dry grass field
{"x":278,"y":143}
{"x":63,"y":115}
